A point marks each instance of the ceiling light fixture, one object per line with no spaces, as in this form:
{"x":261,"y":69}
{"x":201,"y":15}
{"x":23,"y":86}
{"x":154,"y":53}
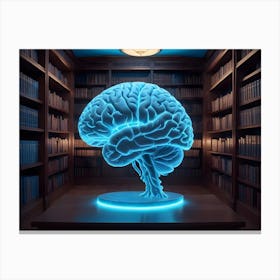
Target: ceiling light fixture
{"x":140,"y":52}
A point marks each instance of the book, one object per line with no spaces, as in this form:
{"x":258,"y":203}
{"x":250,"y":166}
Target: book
{"x":28,"y":87}
{"x":29,"y":117}
{"x":223,"y":181}
{"x":29,"y":151}
{"x":57,"y":145}
{"x":223,"y":71}
{"x":222,"y":145}
{"x":249,"y":117}
{"x":250,"y":145}
{"x":223,"y":164}
{"x":29,"y":188}
{"x":58,"y":102}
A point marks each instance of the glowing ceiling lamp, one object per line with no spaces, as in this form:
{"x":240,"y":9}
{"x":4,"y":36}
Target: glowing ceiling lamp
{"x":140,"y":52}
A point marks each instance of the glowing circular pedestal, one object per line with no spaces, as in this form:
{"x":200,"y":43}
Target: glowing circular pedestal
{"x":132,"y":200}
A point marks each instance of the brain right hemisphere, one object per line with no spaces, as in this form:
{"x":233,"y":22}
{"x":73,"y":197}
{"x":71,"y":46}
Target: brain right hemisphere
{"x":132,"y":119}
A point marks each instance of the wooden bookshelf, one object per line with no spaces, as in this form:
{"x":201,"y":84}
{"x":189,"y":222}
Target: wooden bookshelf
{"x":35,"y":84}
{"x":243,"y":80}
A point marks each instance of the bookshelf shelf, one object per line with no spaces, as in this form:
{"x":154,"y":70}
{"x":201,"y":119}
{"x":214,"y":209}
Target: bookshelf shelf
{"x":251,"y":102}
{"x":59,"y":110}
{"x":31,"y":166}
{"x":220,"y":131}
{"x":221,"y":153}
{"x":254,"y":55}
{"x":222,"y":83}
{"x":221,"y":171}
{"x":58,"y":131}
{"x":59,"y":60}
{"x":256,"y":126}
{"x":223,"y":56}
{"x":55,"y":83}
{"x":58,"y":154}
{"x":248,"y":183}
{"x":31,"y":102}
{"x":32,"y":129}
{"x":30,"y":66}
{"x":221,"y":112}
{"x":50,"y":174}
{"x":252,"y":75}
{"x":249,"y":158}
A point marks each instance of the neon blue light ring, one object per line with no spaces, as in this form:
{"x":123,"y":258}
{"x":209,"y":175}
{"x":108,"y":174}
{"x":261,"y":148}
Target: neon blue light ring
{"x":113,"y":206}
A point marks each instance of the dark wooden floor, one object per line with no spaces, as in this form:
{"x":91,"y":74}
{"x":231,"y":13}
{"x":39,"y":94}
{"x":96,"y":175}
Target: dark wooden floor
{"x":70,"y":208}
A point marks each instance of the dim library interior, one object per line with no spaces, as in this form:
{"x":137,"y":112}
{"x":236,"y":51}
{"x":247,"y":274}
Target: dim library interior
{"x":220,"y":176}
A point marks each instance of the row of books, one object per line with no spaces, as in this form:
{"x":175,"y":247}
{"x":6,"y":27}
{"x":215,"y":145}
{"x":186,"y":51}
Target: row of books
{"x":222,"y":163}
{"x":249,"y":196}
{"x":29,"y":151}
{"x":177,"y":78}
{"x":58,"y":102}
{"x":79,"y":143}
{"x":224,"y":182}
{"x":88,"y":93}
{"x":91,"y":78}
{"x":87,"y":153}
{"x":250,"y":173}
{"x":250,"y":91}
{"x":57,"y":122}
{"x":87,"y":172}
{"x":57,"y":181}
{"x":222,"y":103}
{"x":250,"y":145}
{"x":59,"y":74}
{"x":29,"y":117}
{"x":88,"y":162}
{"x":29,"y":188}
{"x":223,"y":70}
{"x":116,"y":79}
{"x":183,"y":92}
{"x":220,"y":123}
{"x":197,"y":143}
{"x":222,"y":145}
{"x":250,"y":116}
{"x":191,"y":162}
{"x":28,"y":86}
{"x":57,"y":164}
{"x":57,"y":145}
{"x":192,"y":153}
{"x":30,"y":53}
{"x":193,"y":108}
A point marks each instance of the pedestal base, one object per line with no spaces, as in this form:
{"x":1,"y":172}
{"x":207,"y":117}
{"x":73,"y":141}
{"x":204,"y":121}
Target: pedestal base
{"x":132,"y":200}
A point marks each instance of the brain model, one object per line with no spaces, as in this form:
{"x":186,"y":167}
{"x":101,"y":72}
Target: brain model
{"x":140,"y":124}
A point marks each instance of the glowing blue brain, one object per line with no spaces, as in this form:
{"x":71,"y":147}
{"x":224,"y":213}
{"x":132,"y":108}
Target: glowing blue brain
{"x":140,"y":124}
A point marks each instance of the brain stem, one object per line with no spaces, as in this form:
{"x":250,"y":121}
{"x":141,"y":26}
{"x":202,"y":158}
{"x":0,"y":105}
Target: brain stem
{"x":150,"y":177}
